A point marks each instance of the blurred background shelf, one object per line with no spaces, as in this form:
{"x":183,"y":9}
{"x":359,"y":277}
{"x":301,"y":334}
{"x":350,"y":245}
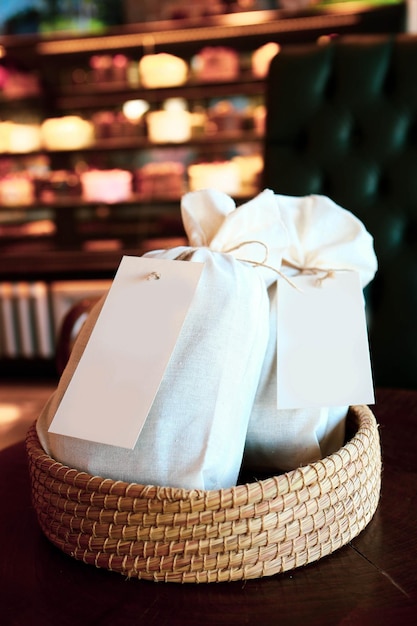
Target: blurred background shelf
{"x":55,"y":234}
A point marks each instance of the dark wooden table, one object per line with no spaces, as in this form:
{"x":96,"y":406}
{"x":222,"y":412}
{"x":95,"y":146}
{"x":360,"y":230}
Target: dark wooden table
{"x":371,"y":581}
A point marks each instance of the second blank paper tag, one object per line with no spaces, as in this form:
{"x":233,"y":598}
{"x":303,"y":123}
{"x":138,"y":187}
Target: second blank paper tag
{"x":120,"y":371}
{"x":322,"y":346}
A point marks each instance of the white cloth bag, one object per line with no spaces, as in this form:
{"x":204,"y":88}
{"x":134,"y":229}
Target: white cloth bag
{"x":322,"y":236}
{"x":195,"y":432}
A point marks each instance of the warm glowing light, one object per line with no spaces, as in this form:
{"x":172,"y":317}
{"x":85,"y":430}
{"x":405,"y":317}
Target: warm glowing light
{"x":2,"y":52}
{"x":134,"y":109}
{"x":323,"y":40}
{"x":175,"y":104}
{"x":9,"y":413}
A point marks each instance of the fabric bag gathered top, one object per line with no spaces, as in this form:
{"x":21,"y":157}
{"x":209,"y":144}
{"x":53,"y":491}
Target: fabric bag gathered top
{"x":195,"y":432}
{"x":323,"y":238}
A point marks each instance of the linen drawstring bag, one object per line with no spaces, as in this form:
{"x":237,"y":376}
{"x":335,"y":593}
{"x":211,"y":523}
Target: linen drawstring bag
{"x":195,"y":431}
{"x":322,"y":236}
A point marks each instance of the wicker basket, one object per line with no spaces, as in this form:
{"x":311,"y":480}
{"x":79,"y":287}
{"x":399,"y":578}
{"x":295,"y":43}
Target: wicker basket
{"x":252,"y":530}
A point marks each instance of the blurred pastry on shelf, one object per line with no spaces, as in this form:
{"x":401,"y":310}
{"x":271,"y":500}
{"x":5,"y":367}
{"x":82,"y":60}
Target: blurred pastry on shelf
{"x":69,"y":132}
{"x":133,"y":112}
{"x":107,"y":186}
{"x":17,"y":83}
{"x":171,"y":124}
{"x":216,"y":63}
{"x":162,"y":70}
{"x":262,"y":57}
{"x":250,"y":173}
{"x":224,"y":117}
{"x":220,"y":175}
{"x":17,"y":189}
{"x":16,"y":138}
{"x":164,"y":180}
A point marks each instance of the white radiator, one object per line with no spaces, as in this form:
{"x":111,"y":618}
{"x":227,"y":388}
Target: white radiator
{"x":25,"y":320}
{"x":31,"y":314}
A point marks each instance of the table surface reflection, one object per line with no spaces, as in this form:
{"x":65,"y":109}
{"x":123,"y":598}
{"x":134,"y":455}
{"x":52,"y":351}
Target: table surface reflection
{"x":372,"y":580}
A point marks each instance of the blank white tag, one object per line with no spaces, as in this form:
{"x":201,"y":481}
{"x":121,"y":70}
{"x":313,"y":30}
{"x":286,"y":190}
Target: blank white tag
{"x":322,"y":347}
{"x":116,"y":380}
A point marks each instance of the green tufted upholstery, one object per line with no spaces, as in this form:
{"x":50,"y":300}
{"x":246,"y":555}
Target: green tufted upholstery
{"x":342,"y":121}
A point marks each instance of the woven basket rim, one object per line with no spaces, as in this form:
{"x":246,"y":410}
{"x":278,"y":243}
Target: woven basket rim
{"x":360,"y":418}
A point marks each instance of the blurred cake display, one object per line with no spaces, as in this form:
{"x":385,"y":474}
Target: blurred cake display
{"x":162,"y":70}
{"x":216,"y":63}
{"x":220,"y":175}
{"x":223,"y":117}
{"x":250,"y":172}
{"x":133,"y":113}
{"x":106,"y":185}
{"x":172,"y":124}
{"x":109,"y":124}
{"x":69,"y":132}
{"x":107,"y":68}
{"x":58,"y":185}
{"x":161,"y":180}
{"x":16,"y":190}
{"x":19,"y":138}
{"x":262,"y":57}
{"x":16,"y":82}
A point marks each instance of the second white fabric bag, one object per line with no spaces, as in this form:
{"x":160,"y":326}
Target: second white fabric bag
{"x":322,"y":236}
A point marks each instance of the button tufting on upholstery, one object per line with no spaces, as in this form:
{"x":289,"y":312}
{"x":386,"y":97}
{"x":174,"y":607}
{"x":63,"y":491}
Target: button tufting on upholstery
{"x":342,"y":121}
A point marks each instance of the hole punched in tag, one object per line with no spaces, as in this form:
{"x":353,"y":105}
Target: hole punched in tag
{"x":153,"y":276}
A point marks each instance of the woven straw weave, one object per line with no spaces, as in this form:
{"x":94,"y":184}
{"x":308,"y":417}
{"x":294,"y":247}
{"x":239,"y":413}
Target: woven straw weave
{"x":252,"y":530}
